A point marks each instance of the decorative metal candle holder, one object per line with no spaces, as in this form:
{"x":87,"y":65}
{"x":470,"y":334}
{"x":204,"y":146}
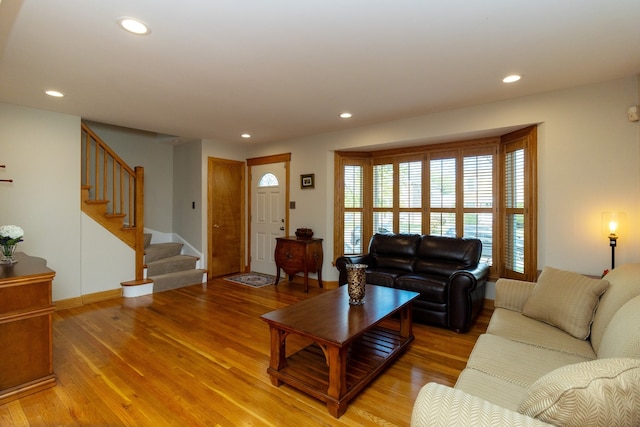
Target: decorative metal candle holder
{"x":356,"y":281}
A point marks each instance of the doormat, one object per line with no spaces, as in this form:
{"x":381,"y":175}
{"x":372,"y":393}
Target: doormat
{"x":255,"y":280}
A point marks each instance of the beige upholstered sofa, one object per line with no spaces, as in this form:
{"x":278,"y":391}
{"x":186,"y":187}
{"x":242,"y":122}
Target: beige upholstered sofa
{"x":562,"y":351}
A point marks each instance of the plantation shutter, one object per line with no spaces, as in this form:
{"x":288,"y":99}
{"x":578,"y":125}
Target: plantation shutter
{"x":410,"y":197}
{"x":519,"y":205}
{"x":383,"y":195}
{"x":353,"y":208}
{"x":478,"y":206}
{"x":442,"y":196}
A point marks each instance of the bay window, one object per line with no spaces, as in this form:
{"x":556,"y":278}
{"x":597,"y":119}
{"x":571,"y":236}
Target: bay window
{"x":481,"y":189}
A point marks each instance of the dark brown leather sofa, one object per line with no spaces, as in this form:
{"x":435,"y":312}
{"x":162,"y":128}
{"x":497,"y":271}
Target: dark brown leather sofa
{"x":445,"y":271}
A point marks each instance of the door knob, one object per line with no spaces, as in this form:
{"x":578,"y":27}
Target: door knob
{"x":216,"y":226}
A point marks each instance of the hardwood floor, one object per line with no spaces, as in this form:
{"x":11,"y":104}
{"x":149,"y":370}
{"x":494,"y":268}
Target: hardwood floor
{"x":198,"y":356}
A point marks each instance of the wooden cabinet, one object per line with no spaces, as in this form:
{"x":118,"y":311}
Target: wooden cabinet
{"x":295,"y":255}
{"x":26,"y":348}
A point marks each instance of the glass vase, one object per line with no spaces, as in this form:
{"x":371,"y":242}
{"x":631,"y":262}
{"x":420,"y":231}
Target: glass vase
{"x":7,"y":254}
{"x":356,"y":282}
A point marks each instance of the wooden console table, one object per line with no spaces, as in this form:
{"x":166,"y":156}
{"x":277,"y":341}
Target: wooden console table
{"x":26,"y":348}
{"x":295,"y":255}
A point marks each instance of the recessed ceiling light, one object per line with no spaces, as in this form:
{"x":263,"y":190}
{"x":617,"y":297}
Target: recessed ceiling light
{"x":245,"y":135}
{"x":54,"y":93}
{"x":134,"y":26}
{"x":512,"y":78}
{"x":346,"y":115}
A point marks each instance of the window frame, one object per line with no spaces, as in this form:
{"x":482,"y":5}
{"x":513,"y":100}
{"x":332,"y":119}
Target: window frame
{"x":495,"y":146}
{"x":342,"y":160}
{"x":525,"y":139}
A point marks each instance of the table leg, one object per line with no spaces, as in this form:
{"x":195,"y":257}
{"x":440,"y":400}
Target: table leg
{"x":278,"y":354}
{"x":277,"y":276}
{"x":406,"y":324}
{"x":337,"y":360}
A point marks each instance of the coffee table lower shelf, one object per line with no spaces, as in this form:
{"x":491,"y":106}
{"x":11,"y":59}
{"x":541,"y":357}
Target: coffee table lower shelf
{"x":308,"y":370}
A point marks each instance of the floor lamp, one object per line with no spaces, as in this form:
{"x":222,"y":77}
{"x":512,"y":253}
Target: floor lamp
{"x":612,"y":242}
{"x":611,"y":222}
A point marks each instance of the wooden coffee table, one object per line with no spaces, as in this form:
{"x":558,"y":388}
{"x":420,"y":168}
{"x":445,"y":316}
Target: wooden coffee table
{"x":350,"y":346}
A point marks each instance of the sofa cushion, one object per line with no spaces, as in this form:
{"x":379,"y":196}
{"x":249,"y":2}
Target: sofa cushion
{"x":499,"y":391}
{"x":566,"y":300}
{"x":516,"y":362}
{"x":517,"y":327}
{"x":444,"y":255}
{"x":624,"y":286}
{"x":382,"y":277}
{"x":431,"y":288}
{"x":603,"y":392}
{"x":394,"y":251}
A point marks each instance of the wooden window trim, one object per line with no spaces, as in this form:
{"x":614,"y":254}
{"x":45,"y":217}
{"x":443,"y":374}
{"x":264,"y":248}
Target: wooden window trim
{"x":527,"y":139}
{"x":459,"y":150}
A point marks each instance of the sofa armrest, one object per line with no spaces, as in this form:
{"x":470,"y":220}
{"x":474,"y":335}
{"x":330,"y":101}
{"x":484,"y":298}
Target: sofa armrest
{"x":439,"y":405}
{"x":341,"y":265}
{"x":465,"y":292}
{"x":512,"y":294}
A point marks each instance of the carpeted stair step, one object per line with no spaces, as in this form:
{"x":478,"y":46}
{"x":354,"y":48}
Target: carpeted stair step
{"x":165,"y":282}
{"x":168,"y":268}
{"x":156,"y":251}
{"x":147,"y":240}
{"x":171,"y":265}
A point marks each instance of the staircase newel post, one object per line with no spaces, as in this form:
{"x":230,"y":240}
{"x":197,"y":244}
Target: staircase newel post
{"x":139,"y":222}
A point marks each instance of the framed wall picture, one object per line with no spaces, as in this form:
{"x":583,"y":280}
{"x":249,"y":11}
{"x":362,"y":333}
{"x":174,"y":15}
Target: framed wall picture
{"x":307,"y":181}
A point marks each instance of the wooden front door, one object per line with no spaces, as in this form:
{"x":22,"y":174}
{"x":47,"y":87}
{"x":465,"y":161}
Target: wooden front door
{"x":226,"y":205}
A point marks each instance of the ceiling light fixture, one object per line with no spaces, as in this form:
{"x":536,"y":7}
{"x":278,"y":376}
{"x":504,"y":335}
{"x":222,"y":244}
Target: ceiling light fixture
{"x":54,"y":93}
{"x":246,"y":135}
{"x":512,"y":78}
{"x":134,"y":26}
{"x":346,"y":115}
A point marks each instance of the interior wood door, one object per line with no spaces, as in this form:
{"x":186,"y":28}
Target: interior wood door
{"x":226,"y":208}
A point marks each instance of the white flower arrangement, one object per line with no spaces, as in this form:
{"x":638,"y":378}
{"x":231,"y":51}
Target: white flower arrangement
{"x":10,"y":235}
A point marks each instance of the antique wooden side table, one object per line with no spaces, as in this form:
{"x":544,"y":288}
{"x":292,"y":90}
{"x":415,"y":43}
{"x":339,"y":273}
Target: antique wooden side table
{"x":295,"y":255}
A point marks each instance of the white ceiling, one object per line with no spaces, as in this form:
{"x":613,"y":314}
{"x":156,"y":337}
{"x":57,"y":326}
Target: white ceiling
{"x":285,"y":68}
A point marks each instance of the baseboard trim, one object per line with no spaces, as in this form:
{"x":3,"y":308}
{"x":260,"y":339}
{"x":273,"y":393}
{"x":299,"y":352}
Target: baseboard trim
{"x":65,"y":304}
{"x":102,"y":296}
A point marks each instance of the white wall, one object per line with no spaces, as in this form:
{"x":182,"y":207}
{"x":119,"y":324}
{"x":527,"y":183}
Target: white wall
{"x":187,"y":185}
{"x":588,"y":160}
{"x":140,"y":148}
{"x":106,"y":261}
{"x":44,"y":198}
{"x":42,"y":153}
